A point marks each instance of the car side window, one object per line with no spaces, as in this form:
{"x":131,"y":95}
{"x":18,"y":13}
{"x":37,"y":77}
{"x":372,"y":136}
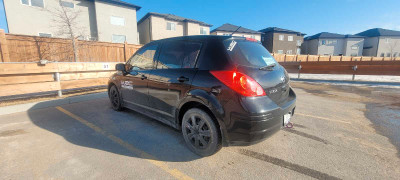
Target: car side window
{"x":192,"y":51}
{"x":143,"y":59}
{"x":178,"y":54}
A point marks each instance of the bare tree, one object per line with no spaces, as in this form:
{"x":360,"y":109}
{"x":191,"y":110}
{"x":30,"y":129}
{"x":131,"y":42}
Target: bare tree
{"x":66,"y":21}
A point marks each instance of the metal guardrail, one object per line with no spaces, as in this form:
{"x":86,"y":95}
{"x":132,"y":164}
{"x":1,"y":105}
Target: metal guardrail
{"x":344,"y":67}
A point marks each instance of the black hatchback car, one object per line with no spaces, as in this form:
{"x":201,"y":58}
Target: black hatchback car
{"x":218,"y":90}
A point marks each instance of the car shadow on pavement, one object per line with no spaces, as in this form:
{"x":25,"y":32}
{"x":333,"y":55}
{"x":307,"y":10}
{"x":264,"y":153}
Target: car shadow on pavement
{"x":94,"y":124}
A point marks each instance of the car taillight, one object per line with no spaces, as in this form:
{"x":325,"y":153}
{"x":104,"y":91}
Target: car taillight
{"x":239,"y":82}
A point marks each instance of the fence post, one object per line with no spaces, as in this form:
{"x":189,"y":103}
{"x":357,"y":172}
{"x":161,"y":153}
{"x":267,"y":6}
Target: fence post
{"x":125,"y":51}
{"x":354,"y":73}
{"x":330,"y":57}
{"x":319,"y":57}
{"x":297,"y":55}
{"x":58,"y":80}
{"x":5,"y":56}
{"x":284,"y":58}
{"x":298,"y":74}
{"x":307,"y":57}
{"x":341,"y":57}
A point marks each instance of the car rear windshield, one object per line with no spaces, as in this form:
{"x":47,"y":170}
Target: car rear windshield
{"x":248,"y":53}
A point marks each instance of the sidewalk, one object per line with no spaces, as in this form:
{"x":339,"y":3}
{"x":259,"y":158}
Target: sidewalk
{"x":370,"y":80}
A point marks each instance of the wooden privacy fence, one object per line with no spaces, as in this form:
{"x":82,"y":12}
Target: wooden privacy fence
{"x":26,"y":78}
{"x":348,"y":67}
{"x":313,"y":58}
{"x":22,"y":48}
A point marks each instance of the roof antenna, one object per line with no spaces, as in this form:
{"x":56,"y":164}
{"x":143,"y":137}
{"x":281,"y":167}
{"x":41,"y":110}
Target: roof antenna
{"x":236,"y":30}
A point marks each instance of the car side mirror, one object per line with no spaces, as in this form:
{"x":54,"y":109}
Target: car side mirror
{"x":120,"y":67}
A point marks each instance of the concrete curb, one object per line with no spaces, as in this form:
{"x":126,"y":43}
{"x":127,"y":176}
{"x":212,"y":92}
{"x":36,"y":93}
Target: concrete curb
{"x":51,"y":103}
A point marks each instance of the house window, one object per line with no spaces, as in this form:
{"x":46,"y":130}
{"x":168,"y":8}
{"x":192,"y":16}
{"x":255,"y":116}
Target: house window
{"x":280,"y":51}
{"x":290,"y":38}
{"x":331,"y":42}
{"x":298,"y":42}
{"x":226,"y":34}
{"x":395,"y":54}
{"x":323,"y":42}
{"x":67,"y":4}
{"x":203,"y":30}
{"x":382,"y":54}
{"x":171,"y":26}
{"x":118,"y":38}
{"x":387,"y":40}
{"x":118,"y":21}
{"x":354,"y":47}
{"x":37,"y":3}
{"x":289,"y":52}
{"x":253,"y":37}
{"x":26,"y":2}
{"x":44,"y":34}
{"x":262,"y":38}
{"x":388,"y":54}
{"x":353,"y":54}
{"x":298,"y":51}
{"x":281,"y":37}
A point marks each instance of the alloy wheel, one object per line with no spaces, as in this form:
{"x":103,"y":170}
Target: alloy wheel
{"x":114,"y":97}
{"x":198,"y":132}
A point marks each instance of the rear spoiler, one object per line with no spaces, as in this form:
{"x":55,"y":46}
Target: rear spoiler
{"x":245,"y":39}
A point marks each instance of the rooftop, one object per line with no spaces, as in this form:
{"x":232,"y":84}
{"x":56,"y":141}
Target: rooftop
{"x":276,"y":29}
{"x":122,"y":3}
{"x":331,"y":36}
{"x":173,"y":18}
{"x":232,"y":28}
{"x":379,"y":32}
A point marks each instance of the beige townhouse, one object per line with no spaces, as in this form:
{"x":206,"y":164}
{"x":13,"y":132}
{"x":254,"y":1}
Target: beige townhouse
{"x":103,"y":20}
{"x":326,"y":43}
{"x":155,"y":26}
{"x":381,"y":42}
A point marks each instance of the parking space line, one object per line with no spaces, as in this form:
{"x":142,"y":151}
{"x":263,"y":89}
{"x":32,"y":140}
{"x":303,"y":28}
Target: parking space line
{"x":162,"y":165}
{"x":323,"y":118}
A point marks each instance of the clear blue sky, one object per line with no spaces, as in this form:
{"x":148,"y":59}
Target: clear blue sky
{"x":308,"y":16}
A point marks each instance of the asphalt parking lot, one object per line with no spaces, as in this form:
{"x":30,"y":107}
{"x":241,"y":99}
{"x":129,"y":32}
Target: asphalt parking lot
{"x":340,"y":132}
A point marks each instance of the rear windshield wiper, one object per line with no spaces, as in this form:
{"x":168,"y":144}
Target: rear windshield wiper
{"x":269,"y":67}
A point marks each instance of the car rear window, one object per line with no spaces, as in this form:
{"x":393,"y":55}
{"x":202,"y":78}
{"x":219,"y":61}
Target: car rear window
{"x":248,"y":53}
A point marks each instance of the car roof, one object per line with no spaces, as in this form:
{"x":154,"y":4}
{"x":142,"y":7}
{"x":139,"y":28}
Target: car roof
{"x":203,"y":38}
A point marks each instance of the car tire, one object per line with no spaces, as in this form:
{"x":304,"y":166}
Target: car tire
{"x":200,"y":132}
{"x":115,"y":98}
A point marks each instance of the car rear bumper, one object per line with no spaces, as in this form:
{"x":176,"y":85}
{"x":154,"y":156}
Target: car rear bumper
{"x":247,"y":129}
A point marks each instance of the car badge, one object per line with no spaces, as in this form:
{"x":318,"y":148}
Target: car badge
{"x":283,"y":78}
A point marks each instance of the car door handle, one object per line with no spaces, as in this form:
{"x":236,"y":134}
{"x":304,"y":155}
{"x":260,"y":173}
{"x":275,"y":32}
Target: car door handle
{"x":183,"y":79}
{"x":143,"y":77}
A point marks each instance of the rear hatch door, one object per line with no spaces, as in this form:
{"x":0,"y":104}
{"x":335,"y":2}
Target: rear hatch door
{"x":255,"y":61}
